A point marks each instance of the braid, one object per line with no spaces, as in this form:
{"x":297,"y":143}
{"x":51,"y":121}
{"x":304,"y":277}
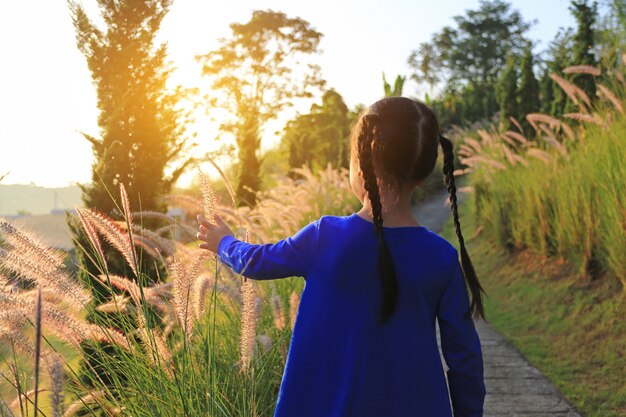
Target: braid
{"x":476,"y":308}
{"x":387,"y":272}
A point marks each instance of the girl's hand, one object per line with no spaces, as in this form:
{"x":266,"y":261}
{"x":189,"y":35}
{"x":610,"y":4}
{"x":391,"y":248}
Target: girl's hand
{"x":210,"y":233}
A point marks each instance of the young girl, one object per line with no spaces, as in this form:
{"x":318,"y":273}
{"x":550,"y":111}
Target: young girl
{"x":364,"y":341}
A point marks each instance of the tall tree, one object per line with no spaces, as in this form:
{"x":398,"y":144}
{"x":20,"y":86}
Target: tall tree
{"x":583,"y":44}
{"x":255,"y":70}
{"x":546,"y":91}
{"x":321,"y":136}
{"x":610,"y":33}
{"x":507,"y":92}
{"x":559,"y":53}
{"x":142,"y":133}
{"x":528,"y":90}
{"x":425,"y":66}
{"x":472,"y":54}
{"x":141,"y":125}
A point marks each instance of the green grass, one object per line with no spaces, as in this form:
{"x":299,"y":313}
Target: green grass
{"x":568,"y":325}
{"x":574,"y":206}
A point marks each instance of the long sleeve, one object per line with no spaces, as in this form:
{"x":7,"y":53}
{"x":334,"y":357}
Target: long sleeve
{"x":289,"y":257}
{"x":461,"y":348}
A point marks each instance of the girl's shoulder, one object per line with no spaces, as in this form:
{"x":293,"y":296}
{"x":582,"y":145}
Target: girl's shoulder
{"x":434,"y":247}
{"x":354,"y":221}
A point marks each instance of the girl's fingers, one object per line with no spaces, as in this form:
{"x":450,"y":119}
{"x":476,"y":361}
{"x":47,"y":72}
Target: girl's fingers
{"x":219,"y":220}
{"x":204,"y":222}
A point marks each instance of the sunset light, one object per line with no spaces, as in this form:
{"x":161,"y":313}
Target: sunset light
{"x":282,"y":208}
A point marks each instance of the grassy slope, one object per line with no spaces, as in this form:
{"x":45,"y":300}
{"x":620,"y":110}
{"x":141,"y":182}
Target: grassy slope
{"x":571,"y":328}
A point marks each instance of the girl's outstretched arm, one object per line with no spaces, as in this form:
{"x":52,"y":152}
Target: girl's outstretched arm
{"x":292,"y":256}
{"x":461,"y":348}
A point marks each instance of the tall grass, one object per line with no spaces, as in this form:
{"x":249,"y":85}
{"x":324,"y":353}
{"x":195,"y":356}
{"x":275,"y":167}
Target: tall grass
{"x":561,"y":192}
{"x":218,"y":345}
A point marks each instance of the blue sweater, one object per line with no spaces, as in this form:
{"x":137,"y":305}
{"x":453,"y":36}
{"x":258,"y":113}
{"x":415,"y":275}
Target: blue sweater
{"x":340,"y":362}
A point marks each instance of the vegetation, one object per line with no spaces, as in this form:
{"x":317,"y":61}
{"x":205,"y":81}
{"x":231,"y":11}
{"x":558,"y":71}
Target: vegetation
{"x":507,"y":92}
{"x":398,"y":86}
{"x":320,"y":137}
{"x":254,"y":70}
{"x":528,"y":90}
{"x":568,"y":326}
{"x":148,"y":325}
{"x":218,"y":342}
{"x":583,"y":44}
{"x":562,"y":194}
{"x":141,"y":124}
{"x":468,"y":59}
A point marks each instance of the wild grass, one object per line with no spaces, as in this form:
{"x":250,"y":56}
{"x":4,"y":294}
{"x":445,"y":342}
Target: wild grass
{"x":571,"y":329}
{"x":561,"y":191}
{"x":217,"y":345}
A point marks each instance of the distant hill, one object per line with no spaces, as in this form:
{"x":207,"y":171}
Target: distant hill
{"x":52,"y":229}
{"x":37,"y":200}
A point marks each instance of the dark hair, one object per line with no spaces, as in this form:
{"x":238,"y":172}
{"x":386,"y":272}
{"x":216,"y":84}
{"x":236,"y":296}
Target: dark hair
{"x":401,"y":136}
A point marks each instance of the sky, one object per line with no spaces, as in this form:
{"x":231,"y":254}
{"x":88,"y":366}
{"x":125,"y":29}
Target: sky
{"x":47,"y":97}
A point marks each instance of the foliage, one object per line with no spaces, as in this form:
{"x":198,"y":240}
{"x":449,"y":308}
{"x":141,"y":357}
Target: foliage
{"x":583,"y":45}
{"x":528,"y":90}
{"x":559,"y":51}
{"x":423,"y":60}
{"x":610,"y":33}
{"x":320,"y":137}
{"x":254,"y":69}
{"x":141,"y":124}
{"x":569,"y":327}
{"x":219,"y":342}
{"x":469,"y":58}
{"x":397,"y":86}
{"x":507,"y":92}
{"x":563,"y":194}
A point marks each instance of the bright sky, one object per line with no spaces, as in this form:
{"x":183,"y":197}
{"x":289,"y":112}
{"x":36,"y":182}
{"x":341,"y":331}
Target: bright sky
{"x":46,"y":95}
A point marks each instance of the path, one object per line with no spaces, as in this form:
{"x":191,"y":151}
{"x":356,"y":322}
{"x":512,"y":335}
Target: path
{"x":514,"y":387}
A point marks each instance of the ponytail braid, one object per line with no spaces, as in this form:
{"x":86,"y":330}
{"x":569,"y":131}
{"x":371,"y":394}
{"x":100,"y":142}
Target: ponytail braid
{"x":476,"y":308}
{"x":387,"y":271}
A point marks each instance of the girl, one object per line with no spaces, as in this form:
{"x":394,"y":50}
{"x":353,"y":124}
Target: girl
{"x":364,"y":341}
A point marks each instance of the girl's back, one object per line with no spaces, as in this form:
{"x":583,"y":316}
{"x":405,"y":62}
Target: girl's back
{"x":341,"y":362}
{"x":364,"y":340}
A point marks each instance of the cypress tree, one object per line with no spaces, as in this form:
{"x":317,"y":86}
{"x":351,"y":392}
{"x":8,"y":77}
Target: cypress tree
{"x":560,"y":49}
{"x":507,"y":92}
{"x":528,"y":92}
{"x":546,"y":92}
{"x":586,"y":15}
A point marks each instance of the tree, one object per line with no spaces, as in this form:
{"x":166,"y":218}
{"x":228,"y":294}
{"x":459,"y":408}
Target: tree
{"x":471,"y":55}
{"x":546,"y":91}
{"x":142,"y":134}
{"x":507,"y":92}
{"x":528,"y":90}
{"x":141,"y":125}
{"x":398,"y":85}
{"x":583,"y":44}
{"x":559,"y":51}
{"x":321,"y":136}
{"x":254,"y":69}
{"x":610,"y":33}
{"x":425,"y":66}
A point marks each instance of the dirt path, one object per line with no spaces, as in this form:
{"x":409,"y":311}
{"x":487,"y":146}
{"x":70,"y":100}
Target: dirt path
{"x":514,"y":387}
